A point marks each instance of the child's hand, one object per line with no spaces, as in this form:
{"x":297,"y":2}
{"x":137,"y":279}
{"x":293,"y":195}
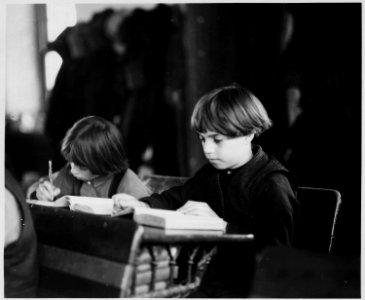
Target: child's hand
{"x":46,"y":191}
{"x":121,"y":201}
{"x":197,"y":208}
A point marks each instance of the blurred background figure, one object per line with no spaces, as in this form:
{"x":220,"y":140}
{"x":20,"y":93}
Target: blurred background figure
{"x":114,"y":66}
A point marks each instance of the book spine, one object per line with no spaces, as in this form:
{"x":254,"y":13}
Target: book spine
{"x":155,"y":264}
{"x":159,"y":254}
{"x":155,"y":275}
{"x":149,"y":266}
{"x":145,"y":288}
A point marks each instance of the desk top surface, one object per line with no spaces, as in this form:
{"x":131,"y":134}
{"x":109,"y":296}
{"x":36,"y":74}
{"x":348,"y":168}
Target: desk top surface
{"x":150,"y":235}
{"x":156,"y":236}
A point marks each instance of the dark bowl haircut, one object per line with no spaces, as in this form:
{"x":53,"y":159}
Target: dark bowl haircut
{"x":232,"y":111}
{"x":96,"y":144}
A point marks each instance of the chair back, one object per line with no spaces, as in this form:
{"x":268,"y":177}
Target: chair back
{"x":283,"y":272}
{"x":319,"y":209}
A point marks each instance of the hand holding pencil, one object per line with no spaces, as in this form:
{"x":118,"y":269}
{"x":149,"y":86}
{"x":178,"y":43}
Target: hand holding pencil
{"x":46,"y":191}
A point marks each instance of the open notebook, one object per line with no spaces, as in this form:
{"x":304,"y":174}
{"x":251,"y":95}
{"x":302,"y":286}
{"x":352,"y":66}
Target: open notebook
{"x":160,"y":218}
{"x":93,"y":205}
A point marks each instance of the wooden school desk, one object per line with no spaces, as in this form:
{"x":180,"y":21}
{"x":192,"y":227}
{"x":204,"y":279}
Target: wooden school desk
{"x":85,"y":255}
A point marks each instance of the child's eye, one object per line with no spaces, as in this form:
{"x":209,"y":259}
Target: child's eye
{"x":218,"y":138}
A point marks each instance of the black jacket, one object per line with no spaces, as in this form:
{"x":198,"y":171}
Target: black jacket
{"x":258,"y":198}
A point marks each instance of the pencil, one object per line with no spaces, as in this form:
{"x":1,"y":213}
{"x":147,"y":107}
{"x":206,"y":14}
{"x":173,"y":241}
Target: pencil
{"x":50,"y":171}
{"x":50,"y":174}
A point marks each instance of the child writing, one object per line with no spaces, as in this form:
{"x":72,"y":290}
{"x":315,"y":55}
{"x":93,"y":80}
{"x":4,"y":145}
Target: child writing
{"x":242,"y":184}
{"x":96,"y":164}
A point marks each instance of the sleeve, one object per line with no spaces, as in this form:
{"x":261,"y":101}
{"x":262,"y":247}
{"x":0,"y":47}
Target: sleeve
{"x":13,"y":219}
{"x":64,"y":181}
{"x":132,"y":185}
{"x":275,"y":213}
{"x":175,"y":197}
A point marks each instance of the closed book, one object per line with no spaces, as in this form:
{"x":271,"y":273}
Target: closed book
{"x":174,"y":220}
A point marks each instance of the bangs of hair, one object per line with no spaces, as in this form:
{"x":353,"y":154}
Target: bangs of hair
{"x":204,"y":117}
{"x":95,"y":144}
{"x":80,"y":152}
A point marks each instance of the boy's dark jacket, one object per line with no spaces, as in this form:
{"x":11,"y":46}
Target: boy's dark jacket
{"x":258,"y":198}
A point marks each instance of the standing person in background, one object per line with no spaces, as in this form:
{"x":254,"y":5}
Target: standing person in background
{"x":242,"y":184}
{"x":97,"y":165}
{"x":20,"y":244}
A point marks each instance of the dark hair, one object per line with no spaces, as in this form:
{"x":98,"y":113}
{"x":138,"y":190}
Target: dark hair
{"x":96,"y":144}
{"x":231,"y":111}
